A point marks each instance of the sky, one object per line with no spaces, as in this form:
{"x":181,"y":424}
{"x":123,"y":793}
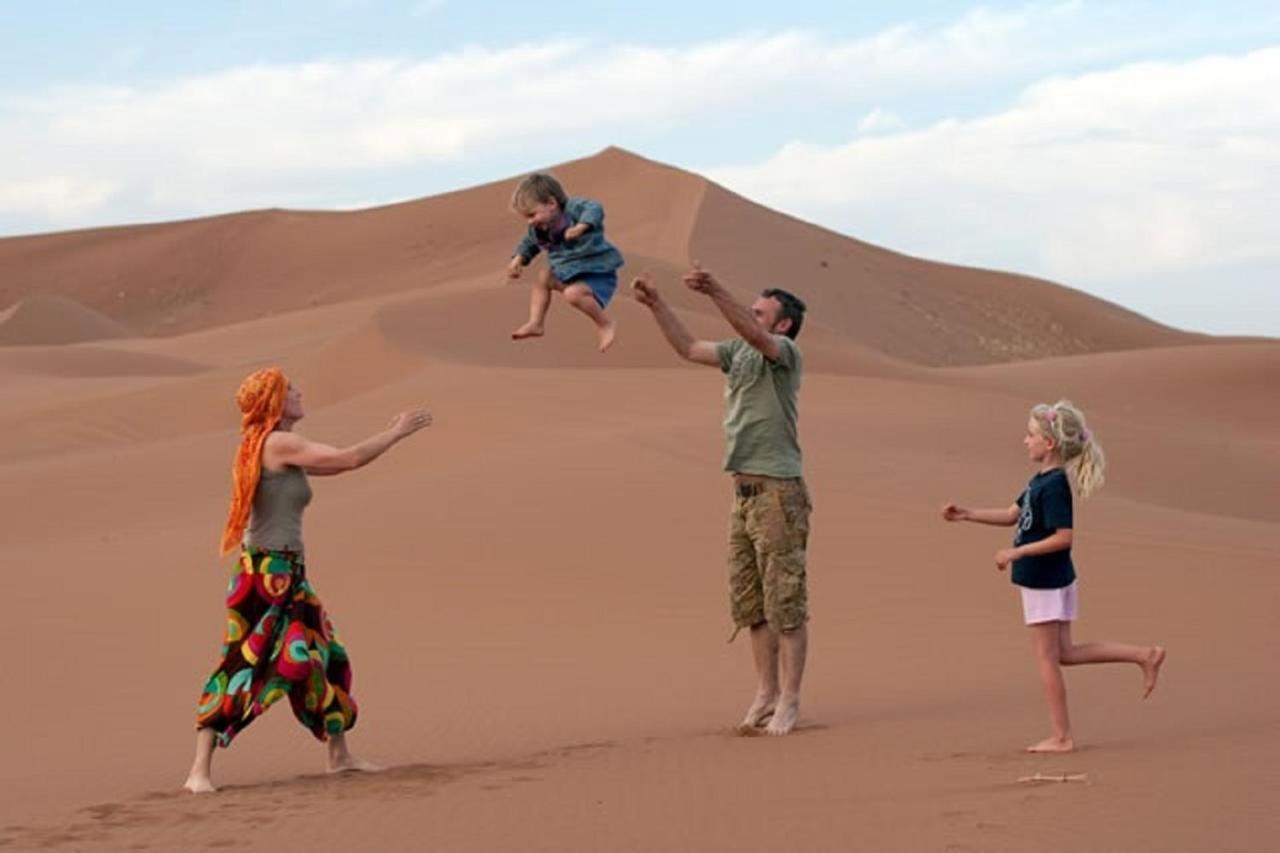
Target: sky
{"x":1127,"y":149}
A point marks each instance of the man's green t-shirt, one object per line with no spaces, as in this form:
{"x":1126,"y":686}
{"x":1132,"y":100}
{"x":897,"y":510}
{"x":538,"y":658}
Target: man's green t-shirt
{"x":760,"y":402}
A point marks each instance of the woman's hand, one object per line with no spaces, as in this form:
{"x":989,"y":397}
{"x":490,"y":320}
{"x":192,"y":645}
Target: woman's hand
{"x":407,"y":423}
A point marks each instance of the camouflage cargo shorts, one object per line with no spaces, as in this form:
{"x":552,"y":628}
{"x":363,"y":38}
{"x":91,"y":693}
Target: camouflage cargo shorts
{"x":768,"y":534}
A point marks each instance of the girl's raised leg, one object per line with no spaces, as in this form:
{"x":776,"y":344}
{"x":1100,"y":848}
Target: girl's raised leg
{"x":1149,"y":658}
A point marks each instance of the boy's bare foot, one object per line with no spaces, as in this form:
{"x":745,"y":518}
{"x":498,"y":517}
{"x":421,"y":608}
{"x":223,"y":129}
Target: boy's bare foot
{"x":351,"y":764}
{"x":199,"y":784}
{"x":1053,"y":744}
{"x":528,"y":330}
{"x":606,"y":334}
{"x":785,"y":717}
{"x":1151,"y":669}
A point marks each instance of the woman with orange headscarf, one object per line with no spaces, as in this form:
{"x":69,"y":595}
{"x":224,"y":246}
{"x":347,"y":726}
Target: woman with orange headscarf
{"x":279,"y":641}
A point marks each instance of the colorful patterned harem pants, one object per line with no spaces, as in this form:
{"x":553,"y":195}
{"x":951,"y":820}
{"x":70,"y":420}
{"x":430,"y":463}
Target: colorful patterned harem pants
{"x":279,"y":642}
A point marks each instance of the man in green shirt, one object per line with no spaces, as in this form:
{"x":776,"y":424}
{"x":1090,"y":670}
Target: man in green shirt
{"x":769,"y":529}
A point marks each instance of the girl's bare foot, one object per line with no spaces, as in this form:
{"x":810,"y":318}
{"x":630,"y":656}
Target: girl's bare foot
{"x":1053,"y":744}
{"x":528,"y":330}
{"x":785,"y":717}
{"x":1151,"y":669}
{"x":606,"y":334}
{"x":198,"y":783}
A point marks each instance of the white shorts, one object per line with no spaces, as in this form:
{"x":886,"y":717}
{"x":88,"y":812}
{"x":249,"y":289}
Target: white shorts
{"x":1048,"y":605}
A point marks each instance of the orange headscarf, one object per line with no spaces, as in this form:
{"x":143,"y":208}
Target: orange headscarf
{"x":261,"y":398}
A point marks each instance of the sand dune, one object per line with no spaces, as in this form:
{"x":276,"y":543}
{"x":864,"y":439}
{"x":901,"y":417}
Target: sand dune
{"x":178,"y":277}
{"x":43,"y":319}
{"x":532,"y":590}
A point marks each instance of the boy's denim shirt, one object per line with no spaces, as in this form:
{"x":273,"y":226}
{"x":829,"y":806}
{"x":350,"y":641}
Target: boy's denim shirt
{"x":590,"y":253}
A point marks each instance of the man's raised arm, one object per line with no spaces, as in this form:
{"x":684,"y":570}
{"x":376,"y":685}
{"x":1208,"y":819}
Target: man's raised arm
{"x":738,"y":315}
{"x":681,"y":339}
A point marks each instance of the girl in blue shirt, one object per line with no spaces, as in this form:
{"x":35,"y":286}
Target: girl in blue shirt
{"x":1066,"y":455}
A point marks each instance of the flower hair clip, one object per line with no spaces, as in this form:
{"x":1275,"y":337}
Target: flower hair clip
{"x":1084,"y":436}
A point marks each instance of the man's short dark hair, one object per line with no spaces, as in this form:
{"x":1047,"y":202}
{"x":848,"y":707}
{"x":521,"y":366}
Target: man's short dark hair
{"x":792,"y":308}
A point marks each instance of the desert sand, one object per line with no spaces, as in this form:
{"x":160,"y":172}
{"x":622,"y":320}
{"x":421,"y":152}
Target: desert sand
{"x":532,"y":590}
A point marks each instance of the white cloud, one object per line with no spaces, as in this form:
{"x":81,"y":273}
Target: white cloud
{"x":217,"y":140}
{"x":56,"y":195}
{"x":880,"y":121}
{"x":1086,"y":178}
{"x":1095,"y":180}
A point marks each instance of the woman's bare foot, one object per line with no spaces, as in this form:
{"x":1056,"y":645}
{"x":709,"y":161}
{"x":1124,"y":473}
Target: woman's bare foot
{"x":351,"y":764}
{"x":760,"y":712}
{"x":528,"y":330}
{"x":198,"y":783}
{"x":606,"y":333}
{"x":1053,"y":744}
{"x":1151,"y":669}
{"x":785,"y":717}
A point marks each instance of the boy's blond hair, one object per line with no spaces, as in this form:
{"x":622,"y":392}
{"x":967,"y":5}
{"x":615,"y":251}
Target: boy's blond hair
{"x":538,"y":188}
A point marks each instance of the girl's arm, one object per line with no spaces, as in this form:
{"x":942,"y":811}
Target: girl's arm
{"x":1000,"y":517}
{"x":1058,"y":540}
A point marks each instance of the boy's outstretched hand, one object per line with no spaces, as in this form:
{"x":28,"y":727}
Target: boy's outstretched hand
{"x":515,"y":268}
{"x":951,"y":512}
{"x":644,"y":291}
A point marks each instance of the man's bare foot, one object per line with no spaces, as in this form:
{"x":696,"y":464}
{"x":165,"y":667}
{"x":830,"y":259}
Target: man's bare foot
{"x":1151,"y":669}
{"x":351,"y":764}
{"x":1053,"y":744}
{"x":199,"y":784}
{"x":528,"y":330}
{"x":606,"y":333}
{"x":785,"y":717}
{"x":760,"y":712}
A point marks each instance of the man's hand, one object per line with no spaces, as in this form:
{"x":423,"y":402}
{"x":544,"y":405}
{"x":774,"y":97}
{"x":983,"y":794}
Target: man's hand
{"x":701,"y":281}
{"x":1004,"y":557}
{"x":951,"y":512}
{"x":644,"y":291}
{"x":573,"y":232}
{"x":515,"y":268}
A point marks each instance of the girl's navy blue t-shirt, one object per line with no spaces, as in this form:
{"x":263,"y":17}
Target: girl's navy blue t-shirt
{"x":1045,"y":507}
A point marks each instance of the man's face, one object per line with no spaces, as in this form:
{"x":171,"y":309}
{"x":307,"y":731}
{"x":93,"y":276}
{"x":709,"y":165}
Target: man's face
{"x":768,"y":313}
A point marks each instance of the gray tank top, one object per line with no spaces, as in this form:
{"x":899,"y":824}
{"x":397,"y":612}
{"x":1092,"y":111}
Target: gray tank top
{"x":276,"y":520}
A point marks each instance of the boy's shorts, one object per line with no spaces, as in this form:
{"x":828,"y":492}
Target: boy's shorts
{"x":768,"y":535}
{"x":602,"y":285}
